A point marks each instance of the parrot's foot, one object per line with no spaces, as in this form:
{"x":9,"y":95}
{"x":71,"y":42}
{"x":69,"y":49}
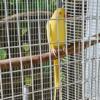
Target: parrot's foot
{"x":53,"y":51}
{"x":64,"y":48}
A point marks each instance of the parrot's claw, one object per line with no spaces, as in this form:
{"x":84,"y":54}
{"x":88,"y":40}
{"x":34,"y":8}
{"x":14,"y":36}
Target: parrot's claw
{"x":53,"y":51}
{"x":64,"y":48}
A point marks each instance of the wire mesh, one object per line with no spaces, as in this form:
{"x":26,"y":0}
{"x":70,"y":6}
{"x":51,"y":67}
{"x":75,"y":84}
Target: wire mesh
{"x":23,"y":33}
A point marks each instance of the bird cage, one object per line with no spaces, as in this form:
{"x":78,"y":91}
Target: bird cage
{"x":26,"y":68}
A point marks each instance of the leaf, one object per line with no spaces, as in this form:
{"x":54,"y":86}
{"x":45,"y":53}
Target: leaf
{"x":26,"y":47}
{"x":11,"y":3}
{"x":28,"y":80}
{"x":23,"y":31}
{"x":3,"y":54}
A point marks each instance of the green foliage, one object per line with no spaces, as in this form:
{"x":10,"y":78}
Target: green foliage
{"x":44,"y":5}
{"x":23,"y":31}
{"x":25,"y":47}
{"x":33,"y":4}
{"x":3,"y":54}
{"x":28,"y":80}
{"x":12,"y":2}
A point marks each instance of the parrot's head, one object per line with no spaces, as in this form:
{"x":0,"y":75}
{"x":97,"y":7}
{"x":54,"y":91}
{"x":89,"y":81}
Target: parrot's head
{"x":59,"y":13}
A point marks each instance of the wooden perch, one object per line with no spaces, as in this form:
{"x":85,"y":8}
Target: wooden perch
{"x":46,"y":56}
{"x":24,"y":14}
{"x":27,"y":59}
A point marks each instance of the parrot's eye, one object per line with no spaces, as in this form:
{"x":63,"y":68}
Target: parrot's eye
{"x":60,"y":13}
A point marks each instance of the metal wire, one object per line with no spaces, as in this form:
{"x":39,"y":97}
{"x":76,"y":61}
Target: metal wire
{"x":23,"y":33}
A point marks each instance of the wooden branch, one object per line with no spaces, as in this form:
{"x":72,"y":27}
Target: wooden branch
{"x":78,"y":46}
{"x":27,"y":59}
{"x":45,"y":56}
{"x":31,"y":13}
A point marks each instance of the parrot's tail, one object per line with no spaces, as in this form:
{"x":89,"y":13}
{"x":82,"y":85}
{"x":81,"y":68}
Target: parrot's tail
{"x":56,"y":77}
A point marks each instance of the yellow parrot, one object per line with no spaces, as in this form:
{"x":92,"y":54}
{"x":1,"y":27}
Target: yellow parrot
{"x":56,"y":37}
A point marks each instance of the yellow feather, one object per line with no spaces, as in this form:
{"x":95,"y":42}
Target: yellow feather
{"x":56,"y":35}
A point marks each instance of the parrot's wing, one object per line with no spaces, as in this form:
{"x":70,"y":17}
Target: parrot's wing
{"x":48,"y":27}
